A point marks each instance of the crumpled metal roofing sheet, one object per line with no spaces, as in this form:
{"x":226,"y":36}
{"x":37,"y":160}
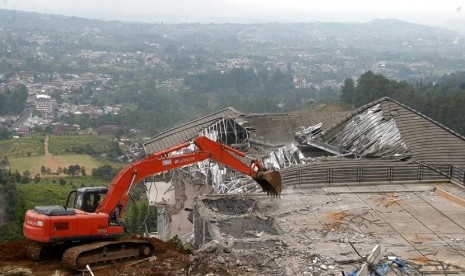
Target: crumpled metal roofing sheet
{"x":427,"y":141}
{"x":370,"y":134}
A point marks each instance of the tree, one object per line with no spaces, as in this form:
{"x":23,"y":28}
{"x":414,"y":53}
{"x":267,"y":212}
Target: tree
{"x":26,"y":177}
{"x":104,"y":172}
{"x":83,"y":171}
{"x":17,"y":177}
{"x":74,"y":170}
{"x":347,"y":91}
{"x":4,"y":132}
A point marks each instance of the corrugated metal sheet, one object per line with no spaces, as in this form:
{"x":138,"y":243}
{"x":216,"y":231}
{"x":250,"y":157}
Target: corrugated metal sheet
{"x":370,"y":134}
{"x":187,"y":131}
{"x":427,"y":140}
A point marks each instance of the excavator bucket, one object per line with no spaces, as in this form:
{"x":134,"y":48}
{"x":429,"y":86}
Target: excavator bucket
{"x":270,"y":181}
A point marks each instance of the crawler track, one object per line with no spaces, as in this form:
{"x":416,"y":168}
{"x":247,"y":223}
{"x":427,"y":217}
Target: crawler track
{"x":33,"y":251}
{"x":101,"y":253}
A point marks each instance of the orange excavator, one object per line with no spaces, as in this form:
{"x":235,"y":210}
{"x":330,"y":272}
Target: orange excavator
{"x":88,"y":230}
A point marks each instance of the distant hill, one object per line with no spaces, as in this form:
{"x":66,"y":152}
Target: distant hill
{"x":454,"y":24}
{"x":33,"y":21}
{"x":379,"y":28}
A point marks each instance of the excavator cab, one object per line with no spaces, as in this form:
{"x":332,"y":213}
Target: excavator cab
{"x":86,"y":199}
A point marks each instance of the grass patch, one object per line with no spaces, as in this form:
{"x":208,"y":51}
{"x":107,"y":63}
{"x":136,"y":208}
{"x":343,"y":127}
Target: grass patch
{"x":32,"y":145}
{"x":88,"y":144}
{"x":33,"y":164}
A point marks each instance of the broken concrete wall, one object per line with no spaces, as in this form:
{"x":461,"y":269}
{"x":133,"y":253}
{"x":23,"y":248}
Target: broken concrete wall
{"x":235,"y":218}
{"x":171,"y":198}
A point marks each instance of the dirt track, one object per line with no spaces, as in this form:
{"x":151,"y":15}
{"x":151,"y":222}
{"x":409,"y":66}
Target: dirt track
{"x":169,"y":261}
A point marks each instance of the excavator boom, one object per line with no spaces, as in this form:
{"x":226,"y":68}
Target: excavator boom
{"x":270,"y":181}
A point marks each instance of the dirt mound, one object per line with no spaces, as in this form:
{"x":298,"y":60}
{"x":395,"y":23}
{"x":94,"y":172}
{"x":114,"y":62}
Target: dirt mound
{"x":14,"y":250}
{"x":168,"y":260}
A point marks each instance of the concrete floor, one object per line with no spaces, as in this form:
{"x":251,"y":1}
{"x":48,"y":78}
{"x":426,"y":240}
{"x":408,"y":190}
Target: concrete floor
{"x":409,"y":221}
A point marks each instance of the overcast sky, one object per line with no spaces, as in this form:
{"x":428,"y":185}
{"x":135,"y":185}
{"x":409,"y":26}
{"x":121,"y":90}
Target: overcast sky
{"x":247,"y":11}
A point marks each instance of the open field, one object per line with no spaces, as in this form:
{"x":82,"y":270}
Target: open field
{"x":34,"y":163}
{"x":25,"y":146}
{"x":63,"y":144}
{"x":34,"y":145}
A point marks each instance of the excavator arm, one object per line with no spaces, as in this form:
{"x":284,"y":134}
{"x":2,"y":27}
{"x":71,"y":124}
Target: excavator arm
{"x":270,"y":181}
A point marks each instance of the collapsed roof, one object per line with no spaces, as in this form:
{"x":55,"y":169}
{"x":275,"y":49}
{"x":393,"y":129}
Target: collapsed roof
{"x":384,"y":129}
{"x":368,"y":134}
{"x":387,"y":129}
{"x":381,"y":142}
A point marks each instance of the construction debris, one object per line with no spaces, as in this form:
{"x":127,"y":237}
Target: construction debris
{"x":314,"y":231}
{"x":370,"y":134}
{"x":15,"y":270}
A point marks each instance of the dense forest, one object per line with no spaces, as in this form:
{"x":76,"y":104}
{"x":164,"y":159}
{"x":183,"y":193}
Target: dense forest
{"x":442,"y":101}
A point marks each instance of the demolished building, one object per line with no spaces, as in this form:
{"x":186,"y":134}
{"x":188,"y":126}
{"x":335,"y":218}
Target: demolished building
{"x":384,"y":133}
{"x":370,"y":176}
{"x":268,"y":136}
{"x":386,"y":177}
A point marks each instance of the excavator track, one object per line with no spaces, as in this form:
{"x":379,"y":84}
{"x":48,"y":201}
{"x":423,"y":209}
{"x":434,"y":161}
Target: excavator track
{"x":37,"y":251}
{"x":33,"y":251}
{"x":101,"y":253}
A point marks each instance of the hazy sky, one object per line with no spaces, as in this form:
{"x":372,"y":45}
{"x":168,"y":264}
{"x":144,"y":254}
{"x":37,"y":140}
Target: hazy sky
{"x":176,"y":11}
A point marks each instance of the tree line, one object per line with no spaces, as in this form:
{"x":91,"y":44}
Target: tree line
{"x":442,"y":101}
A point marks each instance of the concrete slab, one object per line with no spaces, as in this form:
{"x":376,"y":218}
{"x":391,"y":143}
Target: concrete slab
{"x":403,"y":252}
{"x":422,"y":239}
{"x":398,"y":216}
{"x":364,"y":188}
{"x":316,"y":225}
{"x":392,"y":187}
{"x":422,"y":215}
{"x":444,"y":227}
{"x":445,"y":253}
{"x":455,"y":216}
{"x":419,"y":207}
{"x":413,"y":227}
{"x":393,"y":240}
{"x":445,"y":206}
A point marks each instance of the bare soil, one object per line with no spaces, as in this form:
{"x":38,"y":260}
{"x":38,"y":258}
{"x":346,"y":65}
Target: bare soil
{"x":168,"y":260}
